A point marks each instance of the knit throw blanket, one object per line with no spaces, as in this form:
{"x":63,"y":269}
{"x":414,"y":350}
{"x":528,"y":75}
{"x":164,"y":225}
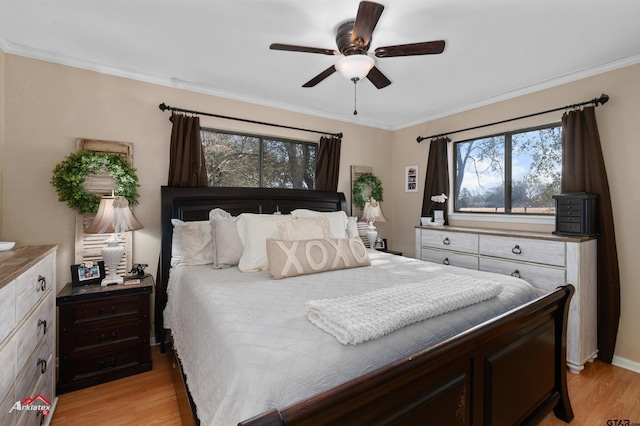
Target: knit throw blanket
{"x":361,"y":317}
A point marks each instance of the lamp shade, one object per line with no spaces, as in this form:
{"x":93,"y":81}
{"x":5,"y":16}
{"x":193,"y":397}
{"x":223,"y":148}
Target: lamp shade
{"x":355,"y":66}
{"x":372,"y":212}
{"x":114,"y":216}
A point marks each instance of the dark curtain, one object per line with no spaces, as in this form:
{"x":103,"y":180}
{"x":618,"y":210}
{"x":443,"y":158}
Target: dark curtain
{"x":186,"y":162}
{"x":583,"y":170}
{"x":328,"y":164}
{"x":437,"y":181}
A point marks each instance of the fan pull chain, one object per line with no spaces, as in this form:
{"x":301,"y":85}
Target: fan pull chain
{"x":355,"y":94}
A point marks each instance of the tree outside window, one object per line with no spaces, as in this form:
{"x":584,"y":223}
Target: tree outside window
{"x":239,"y":160}
{"x":514,"y":173}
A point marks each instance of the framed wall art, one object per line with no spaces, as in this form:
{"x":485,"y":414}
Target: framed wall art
{"x":411,"y":179}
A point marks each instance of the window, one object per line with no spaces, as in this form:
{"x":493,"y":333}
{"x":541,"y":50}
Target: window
{"x":512,"y":173}
{"x":256,"y":161}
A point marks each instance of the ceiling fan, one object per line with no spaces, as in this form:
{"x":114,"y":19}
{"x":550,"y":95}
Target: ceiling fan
{"x":353,"y":39}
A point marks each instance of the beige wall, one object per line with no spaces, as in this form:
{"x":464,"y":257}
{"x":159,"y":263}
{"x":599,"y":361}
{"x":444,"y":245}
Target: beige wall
{"x":619,"y":128}
{"x":48,"y":106}
{"x":2,"y":60}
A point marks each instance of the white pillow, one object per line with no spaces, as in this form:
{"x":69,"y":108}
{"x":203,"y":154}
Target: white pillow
{"x":304,"y":229}
{"x":225,"y":241}
{"x":254,"y":229}
{"x":337,"y":220}
{"x":191,"y":243}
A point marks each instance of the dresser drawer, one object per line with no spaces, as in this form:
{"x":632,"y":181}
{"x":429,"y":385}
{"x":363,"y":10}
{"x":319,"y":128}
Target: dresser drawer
{"x":446,"y":240}
{"x":7,"y":418}
{"x":8,"y":359}
{"x":450,"y":258}
{"x":7,"y":310}
{"x":40,"y":363}
{"x":523,"y":249}
{"x":545,"y":279}
{"x":43,"y":388}
{"x":39,"y":324}
{"x":105,"y":308}
{"x":32,"y":285}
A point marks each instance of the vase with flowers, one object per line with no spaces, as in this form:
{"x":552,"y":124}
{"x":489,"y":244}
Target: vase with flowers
{"x":438,"y":214}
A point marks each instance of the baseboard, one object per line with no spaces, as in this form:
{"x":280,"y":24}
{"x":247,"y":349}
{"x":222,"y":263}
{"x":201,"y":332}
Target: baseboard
{"x":626,"y":363}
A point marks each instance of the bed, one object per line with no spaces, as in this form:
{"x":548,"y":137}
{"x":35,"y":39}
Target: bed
{"x":506,"y":366}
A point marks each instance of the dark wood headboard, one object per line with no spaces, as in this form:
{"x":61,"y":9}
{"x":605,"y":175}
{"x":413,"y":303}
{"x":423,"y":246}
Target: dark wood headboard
{"x":189,"y":204}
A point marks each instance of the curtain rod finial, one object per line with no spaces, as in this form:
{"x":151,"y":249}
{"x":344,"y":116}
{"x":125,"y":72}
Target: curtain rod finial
{"x":604,"y":98}
{"x":162,"y":107}
{"x":420,"y":139}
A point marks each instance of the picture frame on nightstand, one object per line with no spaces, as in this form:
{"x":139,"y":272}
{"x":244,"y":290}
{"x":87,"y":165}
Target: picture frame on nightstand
{"x":87,"y":273}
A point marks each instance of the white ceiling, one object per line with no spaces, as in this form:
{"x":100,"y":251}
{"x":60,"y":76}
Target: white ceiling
{"x":496,"y":49}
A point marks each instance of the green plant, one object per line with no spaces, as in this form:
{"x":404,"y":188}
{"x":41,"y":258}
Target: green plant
{"x":366,"y":180}
{"x":70,"y":174}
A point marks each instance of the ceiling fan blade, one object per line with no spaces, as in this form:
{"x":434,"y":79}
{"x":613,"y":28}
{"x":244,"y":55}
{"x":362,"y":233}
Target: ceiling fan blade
{"x":425,"y":48}
{"x":378,"y":79}
{"x":366,"y":21}
{"x":318,"y":78}
{"x":293,"y":48}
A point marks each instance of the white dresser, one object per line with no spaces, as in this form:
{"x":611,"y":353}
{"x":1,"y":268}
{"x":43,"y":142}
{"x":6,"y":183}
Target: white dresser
{"x":27,"y":335}
{"x":544,"y":260}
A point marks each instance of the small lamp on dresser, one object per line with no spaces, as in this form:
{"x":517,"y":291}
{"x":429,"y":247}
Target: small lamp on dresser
{"x":114,"y":217}
{"x":371,"y":213}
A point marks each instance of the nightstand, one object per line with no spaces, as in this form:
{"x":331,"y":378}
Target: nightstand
{"x":103,"y":333}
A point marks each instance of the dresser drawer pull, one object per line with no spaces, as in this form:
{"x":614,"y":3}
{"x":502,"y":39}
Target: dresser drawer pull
{"x":103,"y":310}
{"x":445,"y":261}
{"x":42,"y":363}
{"x":446,"y":241}
{"x":516,"y":250}
{"x":42,"y":283}
{"x":516,"y":274}
{"x":108,"y":338}
{"x":43,"y":323}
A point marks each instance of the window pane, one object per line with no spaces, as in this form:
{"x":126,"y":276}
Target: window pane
{"x":288,"y":165}
{"x":232,"y":160}
{"x":479,"y":181}
{"x":536,"y":170}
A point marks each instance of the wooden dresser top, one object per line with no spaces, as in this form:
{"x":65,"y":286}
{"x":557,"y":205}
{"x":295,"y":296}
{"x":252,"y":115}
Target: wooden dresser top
{"x":509,"y":233}
{"x":15,"y":262}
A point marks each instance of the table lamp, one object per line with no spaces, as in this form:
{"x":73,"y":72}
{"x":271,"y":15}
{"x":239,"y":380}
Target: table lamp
{"x":114,"y":217}
{"x":371,"y":213}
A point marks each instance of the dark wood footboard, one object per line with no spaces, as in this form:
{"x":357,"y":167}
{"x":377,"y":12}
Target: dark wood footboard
{"x":511,"y":370}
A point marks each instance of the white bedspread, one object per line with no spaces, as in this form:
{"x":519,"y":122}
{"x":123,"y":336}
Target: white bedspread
{"x":247,"y":347}
{"x":362,"y":317}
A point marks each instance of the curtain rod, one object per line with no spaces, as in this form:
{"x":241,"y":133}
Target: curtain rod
{"x":601,"y":100}
{"x":164,"y":107}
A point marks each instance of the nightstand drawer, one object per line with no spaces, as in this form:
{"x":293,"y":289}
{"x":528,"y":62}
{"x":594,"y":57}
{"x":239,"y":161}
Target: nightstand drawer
{"x":107,"y":363}
{"x":109,"y":334}
{"x":105,"y":308}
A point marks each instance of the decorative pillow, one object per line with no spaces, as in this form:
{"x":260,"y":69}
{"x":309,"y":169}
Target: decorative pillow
{"x":292,"y":258}
{"x":254,"y":229}
{"x":176,"y":240}
{"x":194,"y":239}
{"x":226,"y":243}
{"x":304,"y":229}
{"x":337,"y":220}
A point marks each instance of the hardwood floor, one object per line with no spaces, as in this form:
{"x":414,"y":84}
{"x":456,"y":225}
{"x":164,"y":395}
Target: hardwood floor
{"x":601,"y":393}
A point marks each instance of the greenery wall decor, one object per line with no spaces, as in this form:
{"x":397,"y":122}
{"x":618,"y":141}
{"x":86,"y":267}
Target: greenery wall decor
{"x":70,"y":174}
{"x":366,"y":180}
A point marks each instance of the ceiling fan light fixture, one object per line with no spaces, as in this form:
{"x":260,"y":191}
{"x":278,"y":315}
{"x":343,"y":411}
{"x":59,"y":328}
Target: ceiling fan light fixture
{"x":355,"y":66}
